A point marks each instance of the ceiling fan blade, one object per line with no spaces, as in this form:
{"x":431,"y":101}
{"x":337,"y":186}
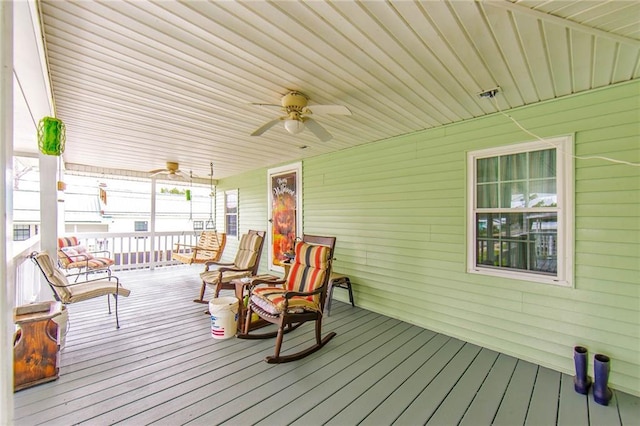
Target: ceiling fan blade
{"x":157,"y":172}
{"x":317,"y":129}
{"x":329,"y":109}
{"x":265,"y":127}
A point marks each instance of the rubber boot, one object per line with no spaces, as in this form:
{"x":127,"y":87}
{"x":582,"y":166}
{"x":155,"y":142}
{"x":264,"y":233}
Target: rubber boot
{"x":601,"y":392}
{"x":581,"y":381}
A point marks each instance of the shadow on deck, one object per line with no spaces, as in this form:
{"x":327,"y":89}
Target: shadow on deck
{"x":162,"y":366}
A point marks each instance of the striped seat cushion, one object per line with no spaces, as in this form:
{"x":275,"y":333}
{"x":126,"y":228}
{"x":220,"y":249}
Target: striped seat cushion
{"x":307,"y":274}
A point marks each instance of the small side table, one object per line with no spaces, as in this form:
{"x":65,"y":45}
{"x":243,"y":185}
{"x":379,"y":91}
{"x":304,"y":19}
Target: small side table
{"x":241,"y":285}
{"x":35,"y":348}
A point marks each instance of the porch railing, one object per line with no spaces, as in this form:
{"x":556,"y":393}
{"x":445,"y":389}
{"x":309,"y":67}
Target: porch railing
{"x":137,"y":250}
{"x":26,"y":277}
{"x":129,"y":251}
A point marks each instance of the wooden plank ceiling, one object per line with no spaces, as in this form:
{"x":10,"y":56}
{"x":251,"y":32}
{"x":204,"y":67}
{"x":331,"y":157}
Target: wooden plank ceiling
{"x":139,"y":83}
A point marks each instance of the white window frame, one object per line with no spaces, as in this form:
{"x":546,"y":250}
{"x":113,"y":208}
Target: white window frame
{"x":236,"y":214}
{"x":565,"y":210}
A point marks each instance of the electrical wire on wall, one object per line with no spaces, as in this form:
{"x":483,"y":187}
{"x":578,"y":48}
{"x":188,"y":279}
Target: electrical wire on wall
{"x":491,"y":94}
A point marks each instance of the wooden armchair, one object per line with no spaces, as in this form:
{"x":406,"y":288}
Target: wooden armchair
{"x":245,"y":264}
{"x":72,"y":255}
{"x":209,"y":248}
{"x":300,"y":298}
{"x":67,"y":293}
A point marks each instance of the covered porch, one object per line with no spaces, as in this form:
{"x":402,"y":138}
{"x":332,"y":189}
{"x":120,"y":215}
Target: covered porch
{"x":162,"y":366}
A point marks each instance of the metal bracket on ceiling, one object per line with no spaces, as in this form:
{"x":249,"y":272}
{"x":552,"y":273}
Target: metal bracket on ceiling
{"x":489,"y":94}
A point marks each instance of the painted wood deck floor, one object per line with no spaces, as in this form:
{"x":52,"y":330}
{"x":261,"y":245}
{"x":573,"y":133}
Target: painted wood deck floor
{"x":163,"y":367}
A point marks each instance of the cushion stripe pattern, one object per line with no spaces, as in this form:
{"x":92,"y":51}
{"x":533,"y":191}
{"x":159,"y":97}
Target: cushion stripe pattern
{"x":307,"y":274}
{"x":67,"y":242}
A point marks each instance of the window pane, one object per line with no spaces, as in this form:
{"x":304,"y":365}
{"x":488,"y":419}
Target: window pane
{"x":513,"y":167}
{"x":522,"y":241}
{"x":542,"y":164}
{"x":543,"y":193}
{"x":487,"y":170}
{"x":513,"y":194}
{"x":487,"y":196}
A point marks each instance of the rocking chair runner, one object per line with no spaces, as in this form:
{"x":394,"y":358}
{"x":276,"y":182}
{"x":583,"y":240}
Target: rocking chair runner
{"x":245,"y":264}
{"x":296,"y":300}
{"x":66,"y":292}
{"x":209,"y":248}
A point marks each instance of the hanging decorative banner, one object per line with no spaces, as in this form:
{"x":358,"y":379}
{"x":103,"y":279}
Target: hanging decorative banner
{"x":51,"y":136}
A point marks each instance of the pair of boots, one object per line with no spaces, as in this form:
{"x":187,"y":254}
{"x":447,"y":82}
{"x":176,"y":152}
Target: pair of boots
{"x":581,"y":381}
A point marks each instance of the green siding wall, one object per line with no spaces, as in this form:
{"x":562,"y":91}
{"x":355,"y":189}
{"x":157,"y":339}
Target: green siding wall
{"x":398,"y":210}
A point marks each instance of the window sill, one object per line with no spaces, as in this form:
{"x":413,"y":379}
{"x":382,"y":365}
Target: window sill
{"x":521,"y":276}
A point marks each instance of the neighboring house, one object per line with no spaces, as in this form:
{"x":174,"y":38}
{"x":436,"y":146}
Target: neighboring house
{"x":111,"y":205}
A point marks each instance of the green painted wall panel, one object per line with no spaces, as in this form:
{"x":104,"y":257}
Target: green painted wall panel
{"x":398,"y":210}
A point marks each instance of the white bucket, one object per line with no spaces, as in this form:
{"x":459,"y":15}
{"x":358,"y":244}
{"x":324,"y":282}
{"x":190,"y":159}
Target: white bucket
{"x":224,"y":317}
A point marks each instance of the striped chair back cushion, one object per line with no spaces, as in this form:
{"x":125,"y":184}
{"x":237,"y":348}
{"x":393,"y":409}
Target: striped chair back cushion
{"x":67,"y":242}
{"x":308,"y":272}
{"x":309,"y":268}
{"x":54,"y":276}
{"x":248,"y":251}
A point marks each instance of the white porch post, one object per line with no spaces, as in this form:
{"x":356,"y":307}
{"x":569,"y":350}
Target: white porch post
{"x":152,"y":225}
{"x":51,"y":220}
{"x":7,"y":293}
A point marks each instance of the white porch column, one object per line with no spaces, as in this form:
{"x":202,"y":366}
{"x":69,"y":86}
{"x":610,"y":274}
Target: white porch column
{"x":152,"y":225}
{"x":7,"y":292}
{"x":50,"y":218}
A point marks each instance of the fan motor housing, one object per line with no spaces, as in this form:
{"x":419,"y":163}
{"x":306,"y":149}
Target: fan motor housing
{"x":294,"y":101}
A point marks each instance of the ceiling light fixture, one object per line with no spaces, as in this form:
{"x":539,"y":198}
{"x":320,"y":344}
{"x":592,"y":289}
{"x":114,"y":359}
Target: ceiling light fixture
{"x":294,"y":126}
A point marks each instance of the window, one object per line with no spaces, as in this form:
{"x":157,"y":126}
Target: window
{"x":520,"y":218}
{"x":21,"y":232}
{"x":141,"y":226}
{"x":231,"y":212}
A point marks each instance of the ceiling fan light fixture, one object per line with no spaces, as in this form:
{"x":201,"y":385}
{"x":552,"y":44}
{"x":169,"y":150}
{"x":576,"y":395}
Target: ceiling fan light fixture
{"x":294,"y":126}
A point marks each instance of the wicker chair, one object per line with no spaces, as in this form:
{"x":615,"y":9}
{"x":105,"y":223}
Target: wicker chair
{"x":300,"y":298}
{"x":67,"y":293}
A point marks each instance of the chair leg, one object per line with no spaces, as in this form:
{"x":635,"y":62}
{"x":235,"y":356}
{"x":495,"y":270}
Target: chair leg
{"x":117,"y":319}
{"x":247,"y":319}
{"x":279,"y":341}
{"x":202,"y":290}
{"x":329,"y":297}
{"x":350,"y":292}
{"x":109,"y":304}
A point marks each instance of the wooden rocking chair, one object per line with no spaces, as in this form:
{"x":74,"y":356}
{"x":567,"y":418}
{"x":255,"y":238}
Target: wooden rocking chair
{"x":209,"y":248}
{"x":300,"y":298}
{"x":245,"y":264}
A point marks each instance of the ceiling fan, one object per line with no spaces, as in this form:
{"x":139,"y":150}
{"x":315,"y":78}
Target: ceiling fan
{"x":172,"y":171}
{"x":294,"y":104}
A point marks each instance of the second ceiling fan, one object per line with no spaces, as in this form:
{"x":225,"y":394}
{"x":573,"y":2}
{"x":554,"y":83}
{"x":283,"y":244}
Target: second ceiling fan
{"x":295,"y":105}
